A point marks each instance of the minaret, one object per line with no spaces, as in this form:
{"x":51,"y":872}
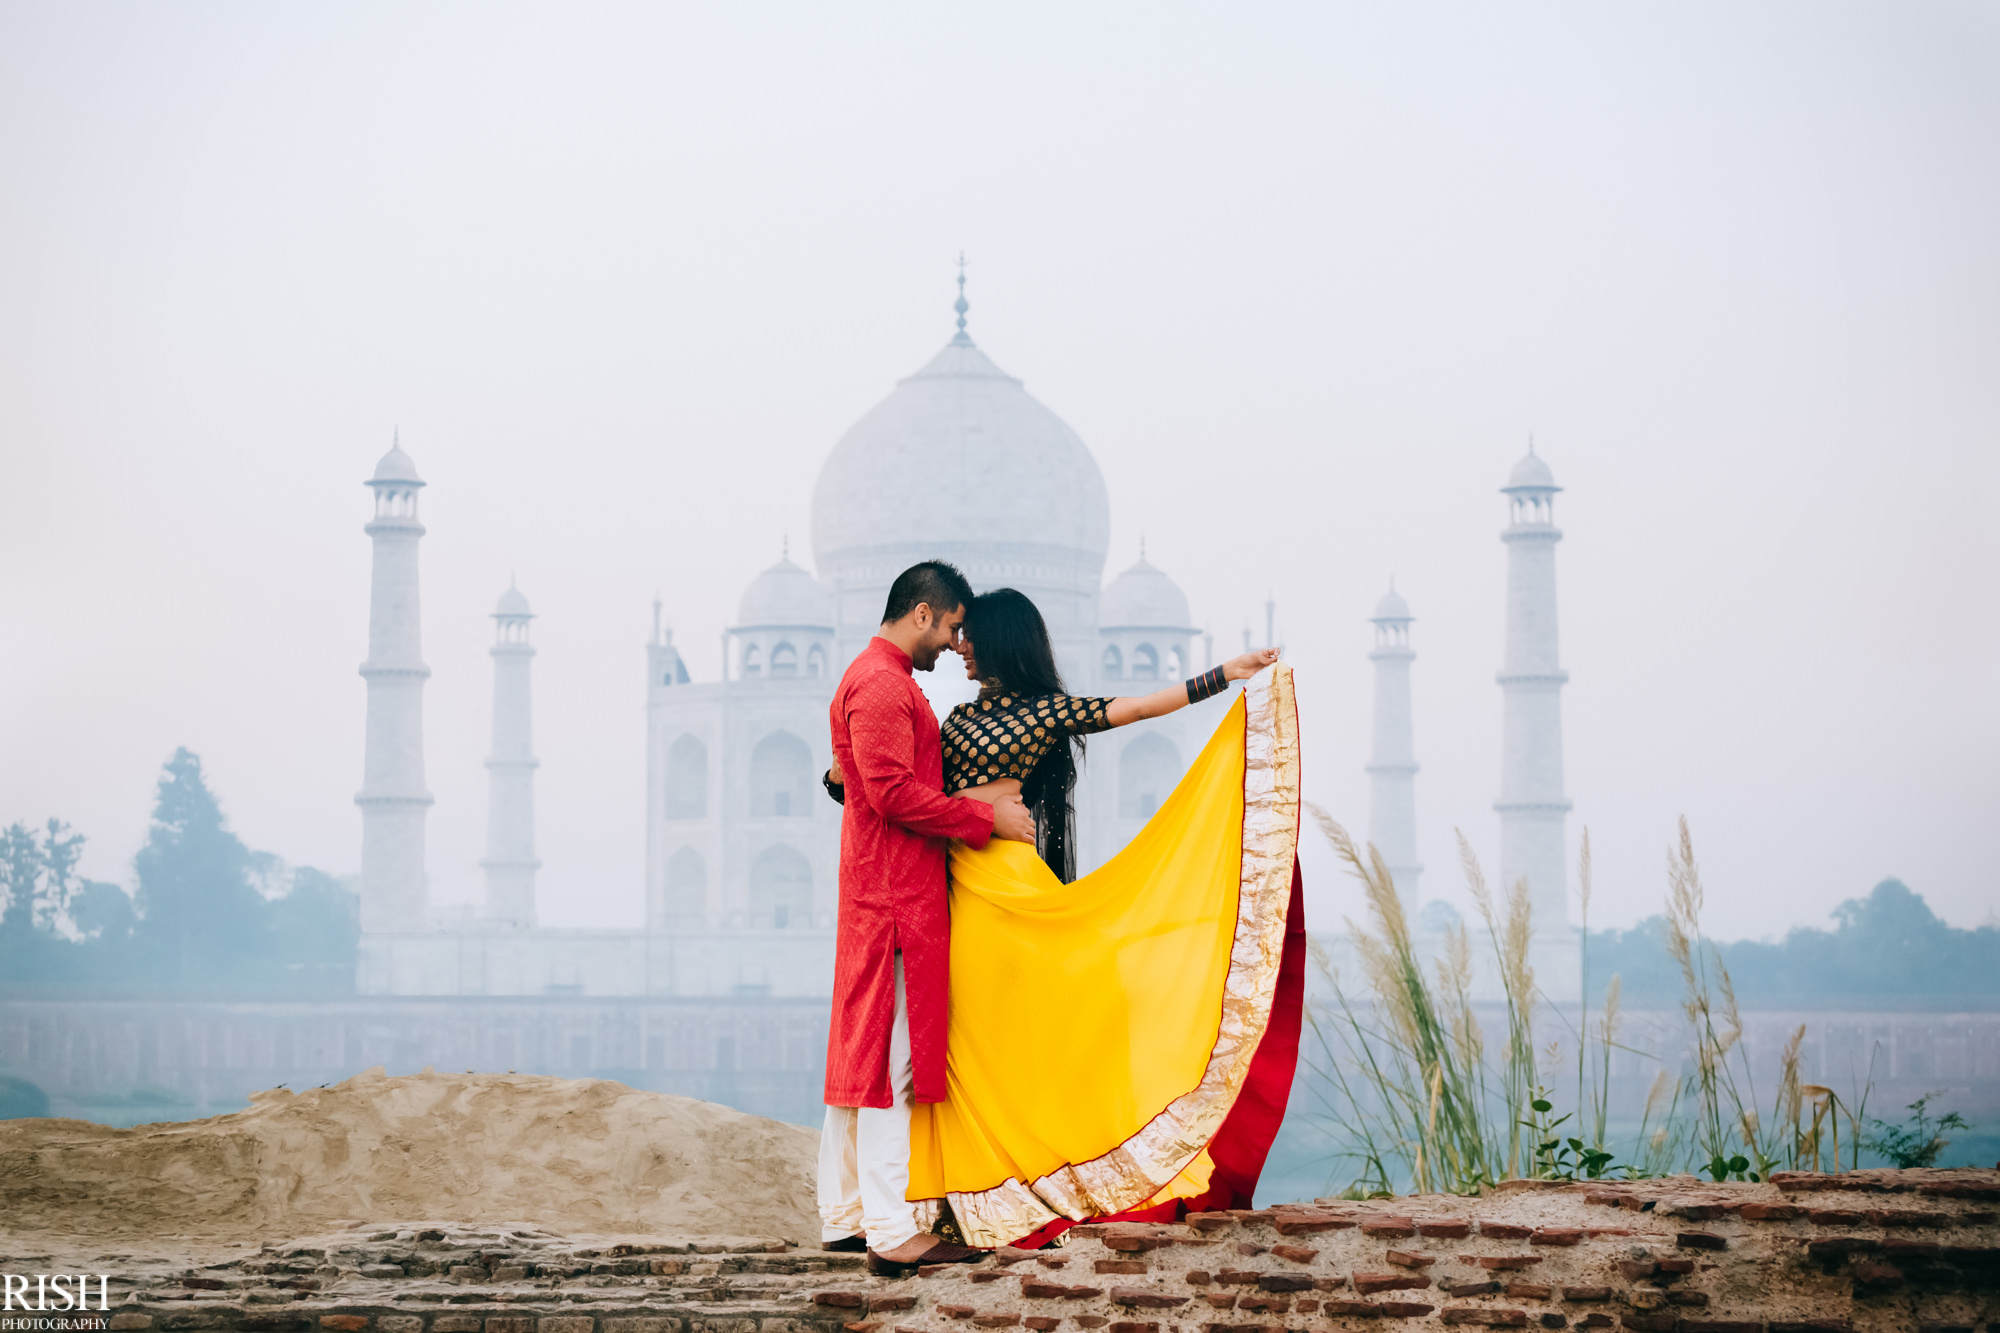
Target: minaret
{"x":1392,"y":767}
{"x":510,"y":862}
{"x":393,"y":798}
{"x":1533,"y":810}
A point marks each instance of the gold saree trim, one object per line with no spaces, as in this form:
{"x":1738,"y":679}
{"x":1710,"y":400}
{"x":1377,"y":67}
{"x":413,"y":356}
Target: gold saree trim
{"x":1139,"y":1168}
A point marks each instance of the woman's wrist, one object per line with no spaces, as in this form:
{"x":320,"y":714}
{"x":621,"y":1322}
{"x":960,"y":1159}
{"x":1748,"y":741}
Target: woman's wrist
{"x":1207,"y":685}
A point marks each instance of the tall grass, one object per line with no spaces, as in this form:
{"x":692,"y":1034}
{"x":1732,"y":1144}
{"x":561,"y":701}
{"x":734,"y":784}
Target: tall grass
{"x":1418,"y":1100}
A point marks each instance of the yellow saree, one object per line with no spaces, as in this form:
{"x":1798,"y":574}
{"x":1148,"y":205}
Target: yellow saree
{"x":1101,"y":1033}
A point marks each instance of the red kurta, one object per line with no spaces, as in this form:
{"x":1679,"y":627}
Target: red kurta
{"x":893,"y":833}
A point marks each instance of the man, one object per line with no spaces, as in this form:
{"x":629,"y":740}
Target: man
{"x":885,"y":1046}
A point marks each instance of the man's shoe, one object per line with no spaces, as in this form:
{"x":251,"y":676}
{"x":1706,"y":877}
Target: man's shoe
{"x":944,"y":1252}
{"x":846,"y":1245}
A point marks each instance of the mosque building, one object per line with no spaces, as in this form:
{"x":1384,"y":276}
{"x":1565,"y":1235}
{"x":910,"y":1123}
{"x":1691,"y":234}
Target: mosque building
{"x":742,"y":844}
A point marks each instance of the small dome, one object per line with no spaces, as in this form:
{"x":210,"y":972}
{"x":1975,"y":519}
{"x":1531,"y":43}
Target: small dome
{"x":786,"y":595}
{"x":1392,"y":607}
{"x":1142,"y":598}
{"x":396,"y":466}
{"x":512,"y":603}
{"x":1531,"y":474}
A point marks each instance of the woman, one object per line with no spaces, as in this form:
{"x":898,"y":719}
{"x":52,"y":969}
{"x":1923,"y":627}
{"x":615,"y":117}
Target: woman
{"x":1121,"y":1045}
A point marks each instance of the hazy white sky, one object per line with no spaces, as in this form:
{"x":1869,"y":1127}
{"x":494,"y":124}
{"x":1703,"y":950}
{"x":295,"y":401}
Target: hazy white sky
{"x":1305,"y":277}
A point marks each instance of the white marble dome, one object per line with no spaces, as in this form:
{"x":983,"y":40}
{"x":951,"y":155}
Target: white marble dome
{"x":1143,"y":598}
{"x":512,"y":603}
{"x":961,"y":463}
{"x":1531,"y":474}
{"x":785,"y":595}
{"x":1392,"y":607}
{"x":396,"y":466}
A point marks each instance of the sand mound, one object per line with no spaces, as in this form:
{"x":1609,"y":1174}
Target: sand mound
{"x":585,"y":1155}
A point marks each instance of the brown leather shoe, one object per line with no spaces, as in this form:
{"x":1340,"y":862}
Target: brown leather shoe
{"x":944,"y":1252}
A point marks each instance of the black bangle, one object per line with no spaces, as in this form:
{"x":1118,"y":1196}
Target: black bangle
{"x":1207,"y":685}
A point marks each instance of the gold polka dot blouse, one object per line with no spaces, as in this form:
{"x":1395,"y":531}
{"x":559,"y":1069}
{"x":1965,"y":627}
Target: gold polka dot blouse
{"x":1002,"y":735}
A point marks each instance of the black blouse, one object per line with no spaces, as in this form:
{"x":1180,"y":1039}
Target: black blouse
{"x":1002,"y":735}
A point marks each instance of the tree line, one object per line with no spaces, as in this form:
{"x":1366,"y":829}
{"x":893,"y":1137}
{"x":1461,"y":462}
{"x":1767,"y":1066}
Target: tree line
{"x":1885,"y":950}
{"x":208,"y":914}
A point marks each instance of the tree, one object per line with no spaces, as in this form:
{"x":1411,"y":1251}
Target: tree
{"x":199,"y":912}
{"x":20,"y":879}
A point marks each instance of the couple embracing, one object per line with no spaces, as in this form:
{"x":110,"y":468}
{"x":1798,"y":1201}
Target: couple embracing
{"x":1014,"y":1050}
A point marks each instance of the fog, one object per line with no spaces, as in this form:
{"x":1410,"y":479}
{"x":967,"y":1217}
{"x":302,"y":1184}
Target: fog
{"x":1306,"y":278}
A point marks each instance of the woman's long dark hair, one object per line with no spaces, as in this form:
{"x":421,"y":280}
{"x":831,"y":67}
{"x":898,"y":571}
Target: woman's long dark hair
{"x":1010,"y":642}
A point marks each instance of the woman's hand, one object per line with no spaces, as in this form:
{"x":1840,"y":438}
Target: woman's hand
{"x":1246,"y":665}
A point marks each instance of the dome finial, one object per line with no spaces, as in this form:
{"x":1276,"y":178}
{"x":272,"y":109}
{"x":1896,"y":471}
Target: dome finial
{"x":960,"y":305}
{"x":785,"y":545}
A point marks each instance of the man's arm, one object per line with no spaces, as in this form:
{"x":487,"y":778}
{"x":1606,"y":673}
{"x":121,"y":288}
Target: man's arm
{"x":881,"y":736}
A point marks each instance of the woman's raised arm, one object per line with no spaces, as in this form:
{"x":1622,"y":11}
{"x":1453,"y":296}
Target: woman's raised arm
{"x":1137,"y":707}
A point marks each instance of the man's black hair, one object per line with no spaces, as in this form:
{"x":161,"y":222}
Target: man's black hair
{"x":935,"y":582}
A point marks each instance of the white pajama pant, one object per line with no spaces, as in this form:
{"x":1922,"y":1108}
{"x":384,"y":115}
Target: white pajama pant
{"x":864,"y":1154}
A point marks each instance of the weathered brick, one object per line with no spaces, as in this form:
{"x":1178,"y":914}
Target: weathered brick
{"x":1445,"y":1228}
{"x":562,"y":1323}
{"x":1875,"y":1275}
{"x":1500,"y":1262}
{"x":1329,"y":1283}
{"x":1131,"y":1326}
{"x":455,"y":1323}
{"x":1141,"y":1298}
{"x":1528,"y":1291}
{"x":1505,"y":1231}
{"x":1835,"y":1217}
{"x":344,"y":1323}
{"x":1723,"y":1326}
{"x":1654,"y":1321}
{"x":1700,"y":1240}
{"x":995,"y":1320}
{"x":1596,"y":1319}
{"x":1698,"y":1299}
{"x":1298,"y":1254}
{"x":1897,"y":1247}
{"x":1306,"y":1304}
{"x":1370,"y":1283}
{"x":1220,"y":1300}
{"x":1309,"y":1226}
{"x":1196,"y":1277}
{"x":882,"y":1304}
{"x":1475,"y":1314}
{"x":1356,"y":1309}
{"x":841,"y":1300}
{"x":1410,"y":1258}
{"x":1681,"y":1266}
{"x":614,"y":1324}
{"x":1550,"y":1319}
{"x":1210,"y":1221}
{"x":1264,"y":1304}
{"x":1586,"y":1293}
{"x":1250,"y":1250}
{"x":979,"y":1275}
{"x":1461,"y":1290}
{"x":510,"y":1323}
{"x":1564,"y":1236}
{"x":1770,"y":1212}
{"x":1634,"y":1269}
{"x":1041,"y":1323}
{"x":1121,"y":1265}
{"x":957,"y":1311}
{"x":1699,"y":1212}
{"x":1830,"y":1247}
{"x":1383,"y":1226}
{"x":1091,"y":1321}
{"x":1284,"y":1282}
{"x":1404,"y":1309}
{"x":1237,"y":1277}
{"x":863,"y":1326}
{"x":1907,"y":1217}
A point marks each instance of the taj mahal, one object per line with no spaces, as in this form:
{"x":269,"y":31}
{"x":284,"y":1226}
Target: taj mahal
{"x":742,"y":845}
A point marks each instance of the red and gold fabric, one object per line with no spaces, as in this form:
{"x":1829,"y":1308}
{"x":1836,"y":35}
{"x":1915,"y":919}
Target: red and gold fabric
{"x":895,"y":828}
{"x":1126,"y":1043}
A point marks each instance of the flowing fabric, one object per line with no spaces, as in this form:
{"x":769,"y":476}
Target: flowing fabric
{"x":1102,"y":1034}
